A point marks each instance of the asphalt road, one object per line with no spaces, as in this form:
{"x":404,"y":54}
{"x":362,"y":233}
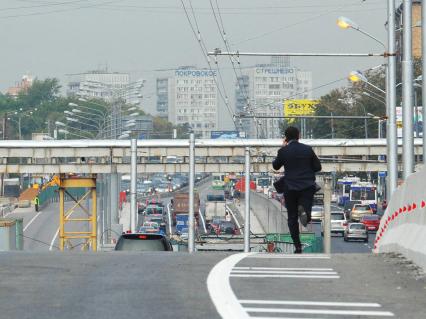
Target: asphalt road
{"x":41,"y":228}
{"x":339,"y":246}
{"x":40,"y":285}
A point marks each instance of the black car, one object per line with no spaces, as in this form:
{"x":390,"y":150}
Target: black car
{"x":143,"y":242}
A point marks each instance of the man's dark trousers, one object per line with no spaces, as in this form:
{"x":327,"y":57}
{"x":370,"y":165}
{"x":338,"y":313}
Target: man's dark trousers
{"x":293,"y":199}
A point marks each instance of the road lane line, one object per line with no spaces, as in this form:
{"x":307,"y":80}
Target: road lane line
{"x":284,"y":272}
{"x":236,"y":220}
{"x":220,"y":291}
{"x":30,"y":222}
{"x":285,"y":276}
{"x":322,"y":312}
{"x":56,"y":234}
{"x":282,"y":256}
{"x":287,"y":318}
{"x":53,"y":240}
{"x":278,"y":268}
{"x":311,"y":303}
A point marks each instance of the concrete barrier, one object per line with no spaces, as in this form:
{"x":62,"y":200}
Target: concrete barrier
{"x":403,"y":225}
{"x":269,"y":212}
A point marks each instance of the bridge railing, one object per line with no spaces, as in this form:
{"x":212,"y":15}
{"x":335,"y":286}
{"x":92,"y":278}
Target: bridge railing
{"x":403,"y":226}
{"x":99,"y":156}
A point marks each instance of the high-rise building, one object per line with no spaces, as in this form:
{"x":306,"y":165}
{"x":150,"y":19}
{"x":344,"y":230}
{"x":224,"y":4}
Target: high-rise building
{"x":106,"y":85}
{"x":264,"y":89}
{"x":191,"y":98}
{"x":163,"y":91}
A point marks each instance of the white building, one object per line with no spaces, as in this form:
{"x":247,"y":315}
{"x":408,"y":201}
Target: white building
{"x":192,"y":99}
{"x":106,"y":85}
{"x":267,"y":86}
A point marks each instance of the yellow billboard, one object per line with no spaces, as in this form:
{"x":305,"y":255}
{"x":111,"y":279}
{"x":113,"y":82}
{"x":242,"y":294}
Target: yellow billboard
{"x":299,"y":108}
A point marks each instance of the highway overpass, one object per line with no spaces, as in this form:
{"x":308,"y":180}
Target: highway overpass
{"x":110,"y":156}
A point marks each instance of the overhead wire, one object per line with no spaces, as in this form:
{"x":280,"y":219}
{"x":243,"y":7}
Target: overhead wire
{"x":221,"y":28}
{"x":204,"y":51}
{"x":93,"y":5}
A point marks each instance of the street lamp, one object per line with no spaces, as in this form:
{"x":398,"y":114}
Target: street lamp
{"x":358,"y":76}
{"x":346,"y":23}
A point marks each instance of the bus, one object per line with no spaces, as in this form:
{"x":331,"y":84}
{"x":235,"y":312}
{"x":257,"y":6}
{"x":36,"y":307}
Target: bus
{"x":218,"y":181}
{"x":344,"y":187}
{"x":365,"y":192}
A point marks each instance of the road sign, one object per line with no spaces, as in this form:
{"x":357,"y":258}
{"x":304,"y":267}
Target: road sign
{"x":382,"y":174}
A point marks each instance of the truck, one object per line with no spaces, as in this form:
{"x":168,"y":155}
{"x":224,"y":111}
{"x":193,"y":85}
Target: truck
{"x":215,"y":206}
{"x":182,"y":223}
{"x":181,"y":205}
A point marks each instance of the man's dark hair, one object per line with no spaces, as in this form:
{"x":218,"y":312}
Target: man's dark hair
{"x":291,"y":133}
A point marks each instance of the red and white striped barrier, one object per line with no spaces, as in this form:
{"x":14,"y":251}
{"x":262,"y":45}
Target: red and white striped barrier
{"x":403,"y":226}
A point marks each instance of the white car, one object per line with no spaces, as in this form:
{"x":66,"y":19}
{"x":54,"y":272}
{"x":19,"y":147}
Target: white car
{"x":338,"y":223}
{"x":317,"y":213}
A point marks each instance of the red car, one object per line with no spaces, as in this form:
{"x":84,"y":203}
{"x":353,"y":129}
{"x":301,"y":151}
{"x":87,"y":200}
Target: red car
{"x":371,"y":222}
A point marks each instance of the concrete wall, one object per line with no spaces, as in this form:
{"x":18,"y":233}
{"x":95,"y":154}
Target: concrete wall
{"x":403,"y":226}
{"x":271,"y":215}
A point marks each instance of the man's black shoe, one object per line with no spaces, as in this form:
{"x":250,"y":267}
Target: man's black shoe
{"x":303,"y":217}
{"x":298,"y":250}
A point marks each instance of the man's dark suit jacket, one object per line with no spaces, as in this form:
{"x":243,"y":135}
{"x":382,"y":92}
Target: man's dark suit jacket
{"x":300,"y":164}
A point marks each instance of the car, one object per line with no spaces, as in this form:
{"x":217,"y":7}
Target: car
{"x":317,"y":213}
{"x":356,"y":231}
{"x":214,"y":226}
{"x":143,"y":242}
{"x":227,"y":227}
{"x":153,"y":209}
{"x":371,"y":222}
{"x":360,"y":210}
{"x":338,"y":222}
{"x":347,"y":208}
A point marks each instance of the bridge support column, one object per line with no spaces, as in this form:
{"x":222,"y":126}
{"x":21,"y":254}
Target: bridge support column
{"x":133,"y":179}
{"x":247,"y":202}
{"x":114,"y":190}
{"x":191,"y":228}
{"x":327,"y":215}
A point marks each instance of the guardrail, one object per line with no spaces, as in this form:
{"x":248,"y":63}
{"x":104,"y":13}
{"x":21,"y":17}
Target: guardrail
{"x":403,"y":225}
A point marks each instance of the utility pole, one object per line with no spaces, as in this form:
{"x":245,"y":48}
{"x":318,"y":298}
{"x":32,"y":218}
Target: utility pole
{"x":407,"y":92}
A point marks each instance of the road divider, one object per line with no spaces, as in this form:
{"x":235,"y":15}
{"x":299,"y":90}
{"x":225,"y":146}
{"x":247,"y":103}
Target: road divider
{"x":403,"y":226}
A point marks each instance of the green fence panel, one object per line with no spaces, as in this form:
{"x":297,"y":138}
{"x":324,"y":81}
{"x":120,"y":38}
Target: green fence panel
{"x":311,"y":243}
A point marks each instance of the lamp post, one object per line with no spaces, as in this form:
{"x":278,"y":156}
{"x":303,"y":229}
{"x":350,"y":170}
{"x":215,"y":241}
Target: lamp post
{"x":407,"y":93}
{"x":391,"y":135}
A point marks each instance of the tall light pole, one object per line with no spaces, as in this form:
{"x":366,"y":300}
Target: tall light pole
{"x":407,"y":93}
{"x":391,"y":130}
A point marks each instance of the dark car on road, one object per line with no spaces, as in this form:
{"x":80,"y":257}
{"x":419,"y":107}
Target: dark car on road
{"x":143,"y":242}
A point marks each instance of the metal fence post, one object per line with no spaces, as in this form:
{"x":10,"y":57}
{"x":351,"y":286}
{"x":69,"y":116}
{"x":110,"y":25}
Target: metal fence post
{"x":247,"y":202}
{"x":133,"y":177}
{"x":327,"y":215}
{"x":191,"y":228}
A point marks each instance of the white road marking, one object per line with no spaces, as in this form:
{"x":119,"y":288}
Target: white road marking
{"x":284,"y":272}
{"x":286,"y":276}
{"x":311,"y":303}
{"x":219,"y":287}
{"x":236,"y":220}
{"x":30,"y":222}
{"x":53,"y":240}
{"x":56,"y":235}
{"x":283,"y":256}
{"x":277,"y":268}
{"x":287,"y":318}
{"x":322,"y":312}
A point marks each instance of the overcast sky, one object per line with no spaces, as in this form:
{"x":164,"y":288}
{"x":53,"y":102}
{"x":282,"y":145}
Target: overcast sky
{"x":53,"y":38}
